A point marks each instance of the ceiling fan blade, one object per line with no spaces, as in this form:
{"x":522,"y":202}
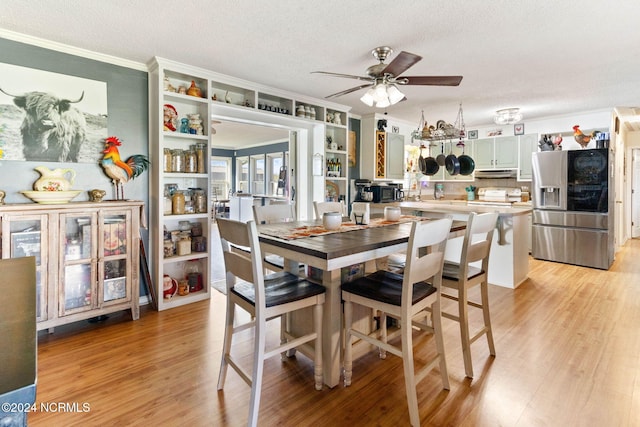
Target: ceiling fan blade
{"x":401,"y":63}
{"x":431,"y":80}
{"x":348,"y":76}
{"x":344,"y":92}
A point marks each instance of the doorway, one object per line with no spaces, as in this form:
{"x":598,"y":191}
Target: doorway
{"x":635,"y":193}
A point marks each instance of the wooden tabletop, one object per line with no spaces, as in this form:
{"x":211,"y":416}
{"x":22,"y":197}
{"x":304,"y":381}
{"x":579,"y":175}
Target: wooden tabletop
{"x":336,"y":245}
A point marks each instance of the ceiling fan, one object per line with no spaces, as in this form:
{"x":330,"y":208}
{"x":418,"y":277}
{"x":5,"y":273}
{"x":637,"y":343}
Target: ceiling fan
{"x":382,"y":78}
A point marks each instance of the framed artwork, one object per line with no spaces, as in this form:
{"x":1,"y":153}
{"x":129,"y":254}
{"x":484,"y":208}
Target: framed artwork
{"x":518,"y":129}
{"x":75,"y":107}
{"x":472,"y":134}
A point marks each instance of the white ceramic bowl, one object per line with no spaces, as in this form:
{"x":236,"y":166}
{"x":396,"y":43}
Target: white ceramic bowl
{"x":51,"y":197}
{"x":332,"y":220}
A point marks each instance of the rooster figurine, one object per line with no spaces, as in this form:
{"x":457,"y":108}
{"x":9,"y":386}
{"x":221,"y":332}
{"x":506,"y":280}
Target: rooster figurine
{"x":118,"y":170}
{"x":581,"y":138}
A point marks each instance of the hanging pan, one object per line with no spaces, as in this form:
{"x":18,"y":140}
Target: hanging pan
{"x":452,"y":163}
{"x":467,"y":165}
{"x":422,"y":164}
{"x":441,"y":157}
{"x":431,"y":165}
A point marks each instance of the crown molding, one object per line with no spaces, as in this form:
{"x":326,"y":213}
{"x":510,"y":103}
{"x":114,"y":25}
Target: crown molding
{"x":72,"y":50}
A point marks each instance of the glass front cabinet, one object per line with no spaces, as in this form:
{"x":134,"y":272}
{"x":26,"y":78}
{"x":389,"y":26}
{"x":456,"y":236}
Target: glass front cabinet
{"x":87,"y":257}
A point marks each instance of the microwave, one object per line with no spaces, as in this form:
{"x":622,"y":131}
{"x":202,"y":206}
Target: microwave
{"x":384,"y":193}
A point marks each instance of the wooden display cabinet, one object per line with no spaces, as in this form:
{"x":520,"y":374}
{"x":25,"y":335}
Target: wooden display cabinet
{"x":87,"y":256}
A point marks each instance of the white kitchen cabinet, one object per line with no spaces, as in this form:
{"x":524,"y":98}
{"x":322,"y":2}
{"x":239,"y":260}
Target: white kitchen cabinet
{"x":499,"y":152}
{"x":527,"y":145}
{"x":383,"y":156}
{"x":395,"y":156}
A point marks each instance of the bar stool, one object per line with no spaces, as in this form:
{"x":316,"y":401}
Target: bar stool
{"x":264,"y":298}
{"x":404,"y":297}
{"x":461,"y":276}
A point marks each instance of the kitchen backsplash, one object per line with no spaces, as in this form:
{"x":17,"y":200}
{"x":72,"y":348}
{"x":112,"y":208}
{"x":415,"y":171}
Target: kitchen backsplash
{"x":456,"y":190}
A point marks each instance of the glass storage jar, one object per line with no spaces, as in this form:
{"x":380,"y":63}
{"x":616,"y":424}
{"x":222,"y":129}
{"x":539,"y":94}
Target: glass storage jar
{"x":177,"y":202}
{"x":201,"y":154}
{"x":190,"y":161}
{"x":177,"y":160}
{"x":184,"y":245}
{"x":166,"y":162}
{"x":199,"y":200}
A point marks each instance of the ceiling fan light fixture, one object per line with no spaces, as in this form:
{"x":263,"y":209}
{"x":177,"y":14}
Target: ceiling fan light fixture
{"x":383,"y":104}
{"x":380,"y":92}
{"x":367,"y":98}
{"x":507,"y":116}
{"x":395,"y":95}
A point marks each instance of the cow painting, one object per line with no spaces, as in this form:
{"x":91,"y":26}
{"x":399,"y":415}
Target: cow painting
{"x":52,"y":130}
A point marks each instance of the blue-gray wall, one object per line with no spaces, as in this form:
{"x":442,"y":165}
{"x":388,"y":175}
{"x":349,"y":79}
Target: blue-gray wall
{"x":127,"y":92}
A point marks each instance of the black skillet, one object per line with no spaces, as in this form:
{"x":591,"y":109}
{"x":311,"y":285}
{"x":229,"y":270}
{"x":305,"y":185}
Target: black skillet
{"x":467,"y":165}
{"x":452,"y":163}
{"x":431,"y":165}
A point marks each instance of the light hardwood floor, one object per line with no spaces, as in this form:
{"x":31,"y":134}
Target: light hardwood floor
{"x":568,"y":354}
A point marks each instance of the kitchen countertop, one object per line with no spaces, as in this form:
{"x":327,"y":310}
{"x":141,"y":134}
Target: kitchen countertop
{"x":520,"y":208}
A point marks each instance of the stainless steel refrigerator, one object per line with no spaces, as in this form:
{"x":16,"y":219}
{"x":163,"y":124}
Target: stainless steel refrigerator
{"x":573,"y":207}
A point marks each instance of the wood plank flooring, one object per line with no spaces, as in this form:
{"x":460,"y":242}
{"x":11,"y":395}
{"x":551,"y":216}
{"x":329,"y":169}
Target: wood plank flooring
{"x":568,"y":354}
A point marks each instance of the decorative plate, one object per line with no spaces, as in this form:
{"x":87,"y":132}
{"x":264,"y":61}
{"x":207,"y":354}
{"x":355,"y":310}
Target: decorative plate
{"x":332,"y":190}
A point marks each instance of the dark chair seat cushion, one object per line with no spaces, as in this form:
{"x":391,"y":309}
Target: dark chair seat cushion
{"x":450,"y":271}
{"x":280,"y":288}
{"x":385,"y":286}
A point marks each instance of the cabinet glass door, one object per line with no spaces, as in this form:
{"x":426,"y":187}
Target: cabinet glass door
{"x":77,"y":247}
{"x":113,"y":270}
{"x":25,"y":238}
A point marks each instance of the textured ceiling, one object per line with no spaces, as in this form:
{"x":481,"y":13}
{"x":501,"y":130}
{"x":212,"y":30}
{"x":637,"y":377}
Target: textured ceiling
{"x":547,"y":57}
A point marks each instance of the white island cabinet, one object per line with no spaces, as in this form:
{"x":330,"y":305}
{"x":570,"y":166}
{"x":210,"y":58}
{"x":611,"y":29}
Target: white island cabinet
{"x":509,"y":259}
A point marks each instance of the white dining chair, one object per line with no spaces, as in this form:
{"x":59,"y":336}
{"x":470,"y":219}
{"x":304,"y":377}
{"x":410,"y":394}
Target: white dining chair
{"x":465,"y":274}
{"x":264,"y":297}
{"x":403,"y":297}
{"x":271,"y":214}
{"x":320,"y":208}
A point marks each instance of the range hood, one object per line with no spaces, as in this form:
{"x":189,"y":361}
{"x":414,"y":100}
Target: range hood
{"x":496,"y":173}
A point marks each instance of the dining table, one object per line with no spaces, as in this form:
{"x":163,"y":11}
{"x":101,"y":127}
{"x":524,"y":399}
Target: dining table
{"x":308,"y":243}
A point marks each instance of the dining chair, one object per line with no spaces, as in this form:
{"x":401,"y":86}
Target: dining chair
{"x":403,"y":297}
{"x":270,"y":214}
{"x":470,"y":271}
{"x":264,"y":297}
{"x":321,"y":207}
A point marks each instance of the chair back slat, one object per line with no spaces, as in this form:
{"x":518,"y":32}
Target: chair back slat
{"x":271,"y":214}
{"x":243,"y":258}
{"x":321,"y":207}
{"x":477,"y":240}
{"x":425,"y":255}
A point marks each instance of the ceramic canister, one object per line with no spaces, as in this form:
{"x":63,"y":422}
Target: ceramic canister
{"x":392,"y":213}
{"x":332,"y":220}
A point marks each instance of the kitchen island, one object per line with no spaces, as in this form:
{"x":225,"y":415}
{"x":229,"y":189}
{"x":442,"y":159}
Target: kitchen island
{"x":509,"y":260}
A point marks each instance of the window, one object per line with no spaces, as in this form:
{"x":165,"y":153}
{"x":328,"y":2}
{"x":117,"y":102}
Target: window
{"x":242,"y":174}
{"x":220,"y":177}
{"x":257,"y":174}
{"x":274,"y":164}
